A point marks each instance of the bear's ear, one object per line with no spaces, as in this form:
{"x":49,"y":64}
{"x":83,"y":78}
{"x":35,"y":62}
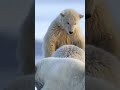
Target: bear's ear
{"x":62,"y":14}
{"x":81,"y":16}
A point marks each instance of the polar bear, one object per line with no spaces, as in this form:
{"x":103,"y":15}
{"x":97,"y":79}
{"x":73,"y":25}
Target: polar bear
{"x":60,"y":74}
{"x":102,"y":64}
{"x":100,"y":27}
{"x":70,"y":51}
{"x":63,"y":30}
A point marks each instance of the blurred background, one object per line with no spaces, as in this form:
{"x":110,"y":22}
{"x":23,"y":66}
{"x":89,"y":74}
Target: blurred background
{"x":46,"y":11}
{"x":12,"y":15}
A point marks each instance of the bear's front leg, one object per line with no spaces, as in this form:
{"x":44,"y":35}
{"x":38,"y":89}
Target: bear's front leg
{"x":49,"y":48}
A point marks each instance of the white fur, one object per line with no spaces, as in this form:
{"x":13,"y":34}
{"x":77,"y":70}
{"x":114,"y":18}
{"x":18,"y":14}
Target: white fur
{"x":70,"y":51}
{"x":60,"y":74}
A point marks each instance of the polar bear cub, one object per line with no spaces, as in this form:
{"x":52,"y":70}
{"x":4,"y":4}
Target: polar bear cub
{"x":70,"y":51}
{"x":63,"y":30}
{"x":60,"y":74}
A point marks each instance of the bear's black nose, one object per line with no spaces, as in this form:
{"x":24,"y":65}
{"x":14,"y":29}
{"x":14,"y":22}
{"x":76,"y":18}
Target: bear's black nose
{"x":87,"y":15}
{"x":70,"y":32}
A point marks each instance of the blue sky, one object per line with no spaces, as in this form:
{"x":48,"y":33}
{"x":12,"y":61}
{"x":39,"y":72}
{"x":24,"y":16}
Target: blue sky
{"x":47,"y":10}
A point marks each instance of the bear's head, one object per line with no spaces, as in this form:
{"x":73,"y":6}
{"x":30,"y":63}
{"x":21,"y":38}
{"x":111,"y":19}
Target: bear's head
{"x":90,"y":6}
{"x":69,"y":20}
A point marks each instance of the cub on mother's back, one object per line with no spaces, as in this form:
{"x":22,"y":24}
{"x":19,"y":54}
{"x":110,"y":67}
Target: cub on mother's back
{"x":63,"y":30}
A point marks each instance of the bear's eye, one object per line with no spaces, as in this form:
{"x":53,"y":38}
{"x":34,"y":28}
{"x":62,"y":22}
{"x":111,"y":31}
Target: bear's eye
{"x":68,"y":23}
